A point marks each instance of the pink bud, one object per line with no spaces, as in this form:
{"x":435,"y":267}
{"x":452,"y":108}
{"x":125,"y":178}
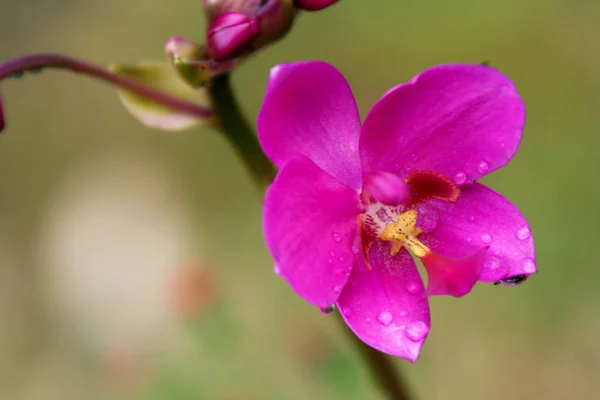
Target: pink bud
{"x":314,"y":5}
{"x":230,"y":35}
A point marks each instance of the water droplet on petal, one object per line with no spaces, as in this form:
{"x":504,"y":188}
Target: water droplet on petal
{"x":330,"y":261}
{"x":332,"y":253}
{"x":460,"y":178}
{"x":385,"y":318}
{"x":483,"y":167}
{"x":341,"y":259}
{"x":403,"y":313}
{"x":493,"y":263}
{"x":469,"y":240}
{"x":528,"y":266}
{"x":416,"y":331}
{"x":523,"y":233}
{"x":328,"y":310}
{"x":486,"y":238}
{"x":336,"y":237}
{"x":414,"y":157}
{"x":337,"y":289}
{"x":413,"y":288}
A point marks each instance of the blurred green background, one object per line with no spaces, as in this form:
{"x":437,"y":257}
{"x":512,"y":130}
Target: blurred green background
{"x":97,"y":212}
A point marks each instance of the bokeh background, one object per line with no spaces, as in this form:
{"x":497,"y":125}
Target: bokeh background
{"x":132,"y":263}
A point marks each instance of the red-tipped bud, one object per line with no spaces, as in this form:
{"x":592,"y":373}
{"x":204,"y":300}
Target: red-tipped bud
{"x":230,"y":35}
{"x":314,"y":5}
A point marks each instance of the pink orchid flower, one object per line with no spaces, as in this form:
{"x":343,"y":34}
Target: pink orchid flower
{"x":351,"y":202}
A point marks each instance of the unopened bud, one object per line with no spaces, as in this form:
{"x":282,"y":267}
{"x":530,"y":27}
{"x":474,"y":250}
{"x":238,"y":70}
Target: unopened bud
{"x":189,"y":60}
{"x":214,"y":8}
{"x":231,"y":35}
{"x":275,"y":19}
{"x":314,"y":5}
{"x":178,"y":47}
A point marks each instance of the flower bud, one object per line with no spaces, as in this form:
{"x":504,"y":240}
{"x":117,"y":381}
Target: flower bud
{"x":178,"y":47}
{"x":231,"y":35}
{"x":275,"y":19}
{"x":214,"y":8}
{"x":314,"y":5}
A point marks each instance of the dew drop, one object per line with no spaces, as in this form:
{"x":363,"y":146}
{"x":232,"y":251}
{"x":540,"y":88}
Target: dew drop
{"x":385,"y":318}
{"x":492,"y":263}
{"x":337,"y":289}
{"x":332,"y":253}
{"x":416,"y":331}
{"x":328,"y":310}
{"x":336,"y":237}
{"x":483,"y":167}
{"x":413,"y":288}
{"x":486,"y":238}
{"x":403,"y":313}
{"x":460,"y":178}
{"x":414,"y":157}
{"x":469,"y":240}
{"x":330,"y":261}
{"x":528,"y":266}
{"x":523,"y":233}
{"x":341,"y":259}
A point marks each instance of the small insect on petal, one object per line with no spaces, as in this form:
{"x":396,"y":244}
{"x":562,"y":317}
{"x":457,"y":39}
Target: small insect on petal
{"x":512,"y":280}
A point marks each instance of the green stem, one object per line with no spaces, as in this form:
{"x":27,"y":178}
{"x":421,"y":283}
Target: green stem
{"x":237,"y":130}
{"x":243,"y":138}
{"x":381,"y":368}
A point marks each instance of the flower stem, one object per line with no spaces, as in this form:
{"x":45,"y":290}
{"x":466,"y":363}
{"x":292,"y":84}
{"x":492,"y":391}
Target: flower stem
{"x":240,"y":134}
{"x":35,"y":62}
{"x":243,"y":138}
{"x":381,"y":367}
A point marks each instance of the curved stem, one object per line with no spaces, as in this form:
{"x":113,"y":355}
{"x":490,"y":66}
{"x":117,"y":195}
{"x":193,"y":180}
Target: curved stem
{"x":381,"y":368}
{"x":243,"y":138}
{"x":240,"y":134}
{"x":32,"y":62}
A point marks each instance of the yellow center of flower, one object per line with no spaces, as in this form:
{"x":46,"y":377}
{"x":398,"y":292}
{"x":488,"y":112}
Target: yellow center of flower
{"x":403,"y":233}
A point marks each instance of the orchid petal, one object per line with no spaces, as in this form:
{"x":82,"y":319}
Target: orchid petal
{"x":386,"y":306}
{"x":458,"y":119}
{"x":309,"y":110}
{"x":310,"y":225}
{"x":483,"y":218}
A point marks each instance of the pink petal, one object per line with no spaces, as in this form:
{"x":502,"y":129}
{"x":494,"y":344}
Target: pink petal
{"x":455,"y":277}
{"x":310,"y":225}
{"x":386,"y":306}
{"x":458,"y":119}
{"x":309,"y":110}
{"x":483,"y":218}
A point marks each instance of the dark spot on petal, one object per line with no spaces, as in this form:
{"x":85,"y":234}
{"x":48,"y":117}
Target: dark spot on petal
{"x":512,"y":280}
{"x":428,"y":185}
